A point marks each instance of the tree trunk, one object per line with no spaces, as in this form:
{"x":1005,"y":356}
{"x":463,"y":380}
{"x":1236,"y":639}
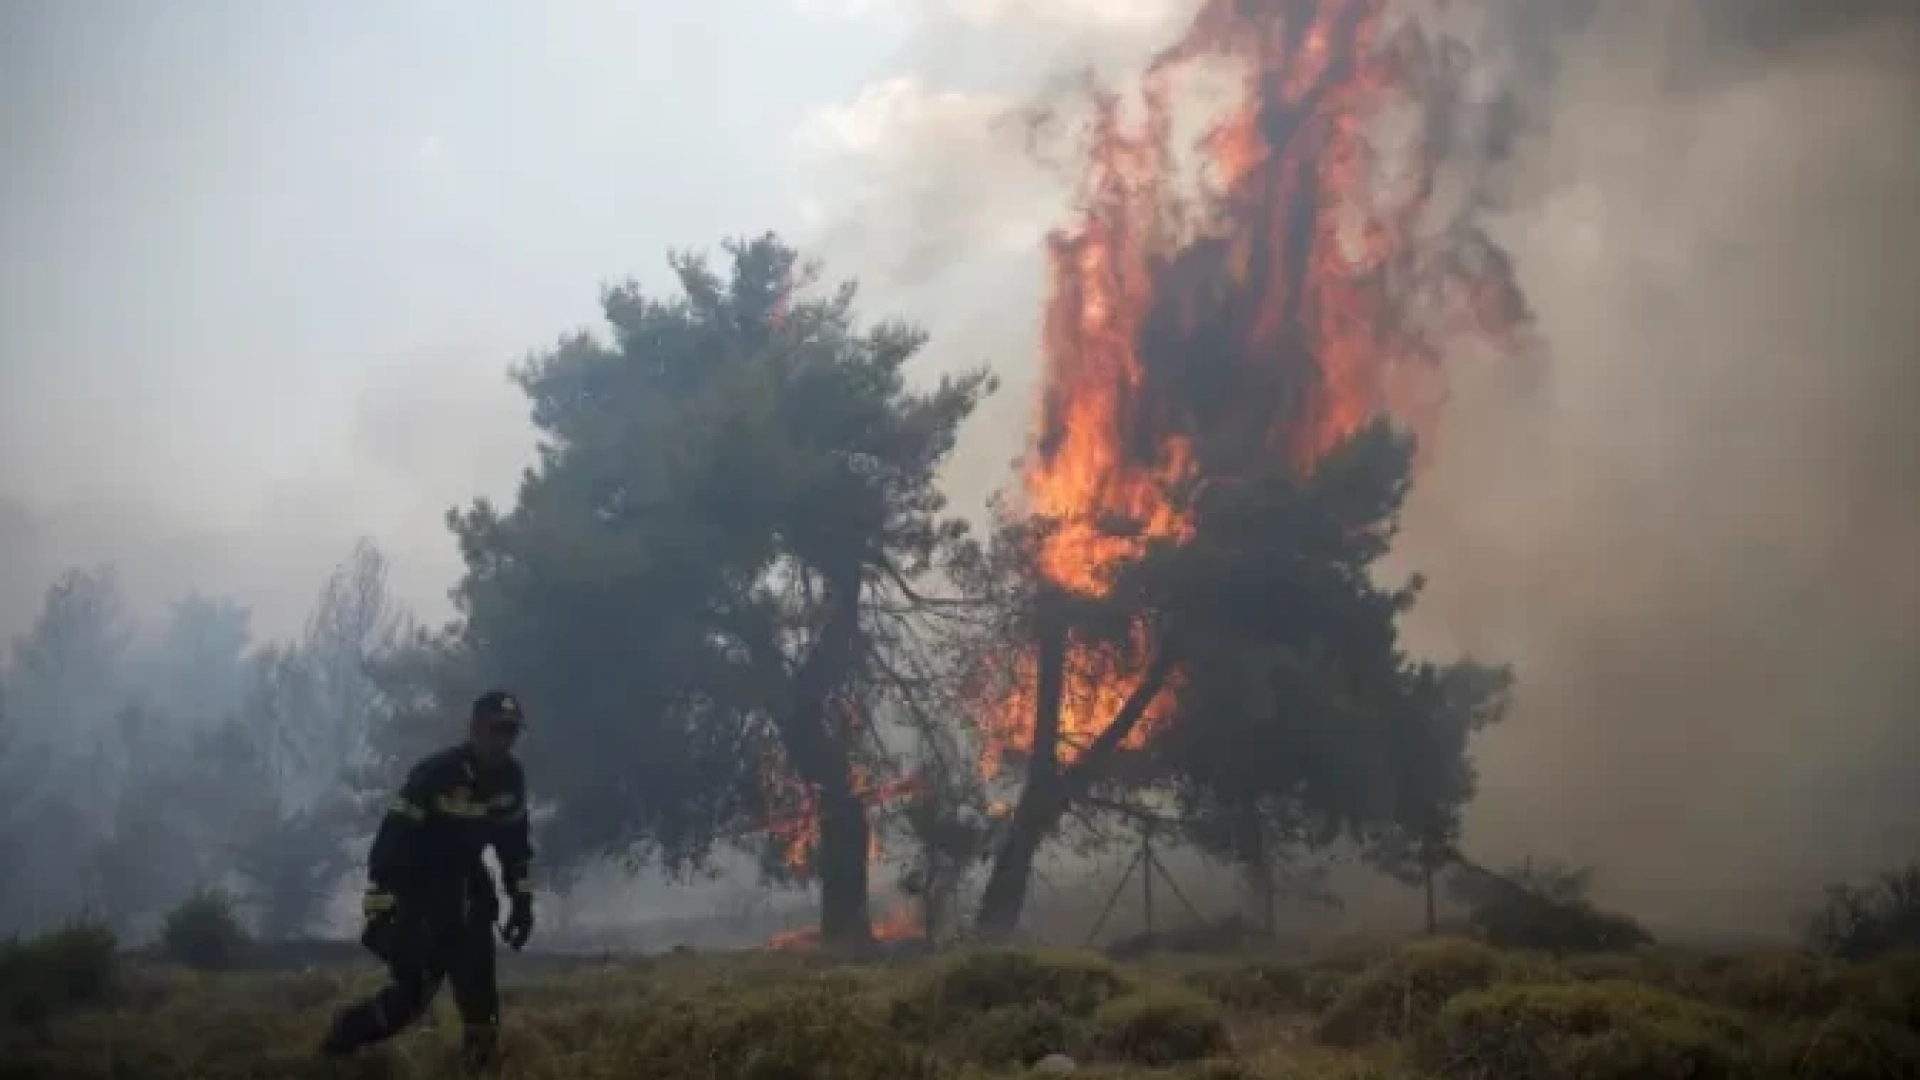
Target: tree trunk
{"x":1049,"y":790}
{"x":933,"y":897}
{"x":816,"y":736}
{"x":1427,"y":863}
{"x":841,"y":861}
{"x":1037,"y":810}
{"x":1259,"y":856}
{"x":1005,"y":895}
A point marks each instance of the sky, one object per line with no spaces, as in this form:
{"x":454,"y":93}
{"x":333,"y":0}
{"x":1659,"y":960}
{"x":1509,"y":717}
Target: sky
{"x":264,"y":267}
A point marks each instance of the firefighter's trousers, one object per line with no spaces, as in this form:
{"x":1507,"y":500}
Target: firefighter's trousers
{"x":451,"y":945}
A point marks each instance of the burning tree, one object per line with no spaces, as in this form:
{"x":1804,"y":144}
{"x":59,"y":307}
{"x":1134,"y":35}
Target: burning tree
{"x":1209,"y":490}
{"x":707,"y":586}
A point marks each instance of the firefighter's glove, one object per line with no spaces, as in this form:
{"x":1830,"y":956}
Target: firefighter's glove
{"x":379,"y":906}
{"x":381,"y":912}
{"x":519,"y":925}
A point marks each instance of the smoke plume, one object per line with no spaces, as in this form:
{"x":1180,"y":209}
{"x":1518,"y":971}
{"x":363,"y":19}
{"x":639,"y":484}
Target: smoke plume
{"x":1688,"y":517}
{"x":1693,"y":525}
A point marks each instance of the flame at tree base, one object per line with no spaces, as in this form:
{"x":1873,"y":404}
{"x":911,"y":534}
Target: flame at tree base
{"x":796,"y":833}
{"x":901,"y":923}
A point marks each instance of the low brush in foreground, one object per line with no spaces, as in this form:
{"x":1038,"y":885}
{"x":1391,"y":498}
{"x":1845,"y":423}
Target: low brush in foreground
{"x":1437,"y":1008}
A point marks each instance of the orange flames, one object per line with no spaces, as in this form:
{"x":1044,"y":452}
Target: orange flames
{"x":798,"y":829}
{"x":1296,"y":298}
{"x":900,"y":923}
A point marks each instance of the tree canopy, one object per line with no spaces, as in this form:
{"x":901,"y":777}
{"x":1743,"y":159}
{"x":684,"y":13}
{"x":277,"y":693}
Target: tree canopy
{"x":699,"y":582}
{"x":1262,"y":690}
{"x":730,"y":578}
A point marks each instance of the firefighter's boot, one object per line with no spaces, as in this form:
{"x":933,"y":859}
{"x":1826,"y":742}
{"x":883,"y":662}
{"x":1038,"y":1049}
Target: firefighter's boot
{"x":352,"y":1028}
{"x":480,"y":1049}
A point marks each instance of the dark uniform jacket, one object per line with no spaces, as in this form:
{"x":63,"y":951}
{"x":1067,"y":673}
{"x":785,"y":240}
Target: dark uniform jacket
{"x":427,"y":853}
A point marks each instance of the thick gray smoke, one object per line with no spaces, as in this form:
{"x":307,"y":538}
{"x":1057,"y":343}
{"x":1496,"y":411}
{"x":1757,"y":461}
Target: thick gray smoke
{"x":1694,"y":527}
{"x":1690,"y":520}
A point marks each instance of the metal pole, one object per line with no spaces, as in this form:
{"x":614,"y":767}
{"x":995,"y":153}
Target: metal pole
{"x":1433,"y":922}
{"x":1146,"y":877}
{"x":1113,"y":898}
{"x":1154,"y":864}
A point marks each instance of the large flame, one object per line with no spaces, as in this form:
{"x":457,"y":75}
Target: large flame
{"x":796,"y":830}
{"x":1303,"y":292}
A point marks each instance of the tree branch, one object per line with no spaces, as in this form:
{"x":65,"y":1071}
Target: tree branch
{"x":1092,"y":763}
{"x":907,"y":590}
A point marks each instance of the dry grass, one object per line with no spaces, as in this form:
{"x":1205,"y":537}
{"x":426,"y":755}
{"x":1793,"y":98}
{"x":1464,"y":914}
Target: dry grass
{"x":1435,"y":1009}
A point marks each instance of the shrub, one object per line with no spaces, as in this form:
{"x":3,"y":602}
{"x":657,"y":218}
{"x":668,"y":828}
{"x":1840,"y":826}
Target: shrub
{"x":1352,"y":954}
{"x":1780,"y":984}
{"x":1544,"y":906}
{"x":1777,"y":984}
{"x":1160,"y":1027}
{"x":1213,"y":938}
{"x":1584,"y":1031}
{"x":1017,"y":1034}
{"x":975,"y":982}
{"x":1858,"y":922}
{"x":1256,"y":985}
{"x":1604,"y":967}
{"x":786,"y":1032}
{"x":1323,"y":988}
{"x":1398,"y":995}
{"x":73,"y":966}
{"x":204,"y":932}
{"x":1888,"y":988}
{"x":1849,"y":1045}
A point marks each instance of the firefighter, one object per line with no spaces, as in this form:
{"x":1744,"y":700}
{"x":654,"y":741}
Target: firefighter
{"x":430,"y":904}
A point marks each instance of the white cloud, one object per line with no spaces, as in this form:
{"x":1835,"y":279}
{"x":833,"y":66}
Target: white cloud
{"x":849,"y":8}
{"x":926,"y":175}
{"x":1098,"y":14}
{"x":1086,"y":14}
{"x":898,"y":117}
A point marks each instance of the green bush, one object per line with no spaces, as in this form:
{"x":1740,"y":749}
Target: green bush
{"x":1017,"y":1035}
{"x":786,"y":1032}
{"x":1585,"y":1031}
{"x":1790,"y":985}
{"x":1604,"y":967}
{"x":976,"y":982}
{"x":1858,"y":922}
{"x":1777,"y":984}
{"x":76,"y":965}
{"x":204,"y":932}
{"x":1352,"y":954}
{"x":1254,"y":985}
{"x":1849,"y":1045}
{"x":1160,"y":1027}
{"x":1323,"y":988}
{"x":1398,"y":995}
{"x":1888,"y":988}
{"x":1544,"y":906}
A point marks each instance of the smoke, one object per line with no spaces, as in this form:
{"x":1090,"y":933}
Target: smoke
{"x":938,"y":182}
{"x":1688,"y":519}
{"x":274,"y":548}
{"x":1692,"y":524}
